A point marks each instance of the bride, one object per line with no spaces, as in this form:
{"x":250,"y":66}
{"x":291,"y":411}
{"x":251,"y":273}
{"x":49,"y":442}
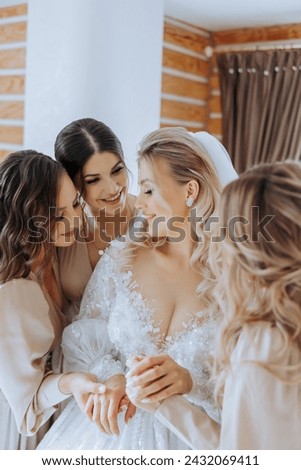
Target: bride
{"x":150,"y":296}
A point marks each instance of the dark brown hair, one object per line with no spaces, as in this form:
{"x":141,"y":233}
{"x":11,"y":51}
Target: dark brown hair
{"x":80,"y":140}
{"x":29,"y":185}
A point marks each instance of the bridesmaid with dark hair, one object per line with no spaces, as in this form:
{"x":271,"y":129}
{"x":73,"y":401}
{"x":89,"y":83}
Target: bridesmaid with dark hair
{"x":93,"y":157}
{"x":39,"y":211}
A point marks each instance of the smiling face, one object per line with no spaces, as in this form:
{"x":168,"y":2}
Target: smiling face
{"x":68,"y":213}
{"x":161,"y":197}
{"x":105,"y":183}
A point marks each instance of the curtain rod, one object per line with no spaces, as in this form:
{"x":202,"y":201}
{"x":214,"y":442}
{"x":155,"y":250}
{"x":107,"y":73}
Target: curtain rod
{"x":293,"y":44}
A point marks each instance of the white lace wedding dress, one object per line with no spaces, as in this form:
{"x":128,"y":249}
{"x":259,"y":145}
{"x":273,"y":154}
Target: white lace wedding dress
{"x":114,"y":323}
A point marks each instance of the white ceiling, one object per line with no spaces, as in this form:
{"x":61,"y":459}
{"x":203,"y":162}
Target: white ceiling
{"x":217,"y":15}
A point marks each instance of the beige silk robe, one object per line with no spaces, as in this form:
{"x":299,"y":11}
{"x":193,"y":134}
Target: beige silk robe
{"x":30,"y":329}
{"x":259,"y":410}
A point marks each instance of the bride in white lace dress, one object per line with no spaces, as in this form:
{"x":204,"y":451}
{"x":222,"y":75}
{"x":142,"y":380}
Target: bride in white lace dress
{"x":149,"y":296}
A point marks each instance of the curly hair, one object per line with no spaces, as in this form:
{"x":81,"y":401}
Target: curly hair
{"x":259,"y":278}
{"x":29,"y":185}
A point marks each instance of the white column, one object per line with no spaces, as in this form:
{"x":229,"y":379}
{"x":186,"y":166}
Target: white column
{"x":93,"y":58}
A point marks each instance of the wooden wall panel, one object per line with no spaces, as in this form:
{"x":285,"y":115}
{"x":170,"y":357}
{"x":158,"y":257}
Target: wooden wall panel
{"x":185,"y":75}
{"x":215,"y":127}
{"x":12,"y":58}
{"x":214,"y":81}
{"x":16,"y":10}
{"x":215,"y":104}
{"x":183,"y":87}
{"x":185,"y":63}
{"x":183,"y":38}
{"x":257,"y":35}
{"x":183,"y":111}
{"x":11,"y":110}
{"x":4,"y":153}
{"x":11,"y":134}
{"x":13,"y":32}
{"x":12,"y":84}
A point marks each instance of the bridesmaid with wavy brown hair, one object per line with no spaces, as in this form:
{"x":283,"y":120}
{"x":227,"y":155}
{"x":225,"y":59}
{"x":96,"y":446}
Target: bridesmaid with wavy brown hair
{"x":38,"y":212}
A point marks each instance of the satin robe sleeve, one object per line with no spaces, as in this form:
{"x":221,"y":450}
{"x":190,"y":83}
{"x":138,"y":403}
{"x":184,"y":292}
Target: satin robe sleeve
{"x":260,"y":411}
{"x":26,"y":338}
{"x":189,"y":423}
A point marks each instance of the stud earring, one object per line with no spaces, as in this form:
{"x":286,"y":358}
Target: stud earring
{"x":189,"y":201}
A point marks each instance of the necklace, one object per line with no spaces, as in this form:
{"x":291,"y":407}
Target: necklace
{"x":102,"y":249}
{"x":100,"y":252}
{"x":104,"y":237}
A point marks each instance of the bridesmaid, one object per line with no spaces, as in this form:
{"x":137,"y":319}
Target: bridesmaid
{"x":39,"y":208}
{"x":93,"y":157}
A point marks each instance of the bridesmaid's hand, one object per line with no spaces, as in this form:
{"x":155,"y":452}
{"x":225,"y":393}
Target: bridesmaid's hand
{"x":151,"y":379}
{"x":103,"y":409}
{"x":81,"y":385}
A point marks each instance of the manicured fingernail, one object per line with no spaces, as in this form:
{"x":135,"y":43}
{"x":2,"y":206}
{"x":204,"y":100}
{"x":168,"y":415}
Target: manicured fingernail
{"x":102,"y":388}
{"x":146,"y":400}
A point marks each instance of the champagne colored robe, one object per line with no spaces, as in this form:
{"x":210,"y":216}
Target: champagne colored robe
{"x":31,"y":328}
{"x":75,"y":271}
{"x":259,"y":410}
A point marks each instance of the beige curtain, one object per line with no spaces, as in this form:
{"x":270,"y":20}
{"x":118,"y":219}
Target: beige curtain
{"x":261,"y":104}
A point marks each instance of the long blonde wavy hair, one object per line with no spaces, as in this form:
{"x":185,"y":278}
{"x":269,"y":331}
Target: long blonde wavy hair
{"x":259,"y":278}
{"x":187,"y":160}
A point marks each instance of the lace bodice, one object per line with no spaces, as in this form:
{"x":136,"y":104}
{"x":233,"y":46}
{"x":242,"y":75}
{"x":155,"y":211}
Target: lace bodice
{"x":119,"y":320}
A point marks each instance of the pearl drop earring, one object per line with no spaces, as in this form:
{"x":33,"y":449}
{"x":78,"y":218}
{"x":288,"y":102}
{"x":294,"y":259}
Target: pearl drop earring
{"x":189,"y":202}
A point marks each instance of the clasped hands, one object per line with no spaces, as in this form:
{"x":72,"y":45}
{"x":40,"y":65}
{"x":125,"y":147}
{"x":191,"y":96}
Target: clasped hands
{"x":150,"y":380}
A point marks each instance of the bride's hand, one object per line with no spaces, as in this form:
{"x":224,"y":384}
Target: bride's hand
{"x":103,"y":409}
{"x":135,"y":401}
{"x":151,"y":379}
